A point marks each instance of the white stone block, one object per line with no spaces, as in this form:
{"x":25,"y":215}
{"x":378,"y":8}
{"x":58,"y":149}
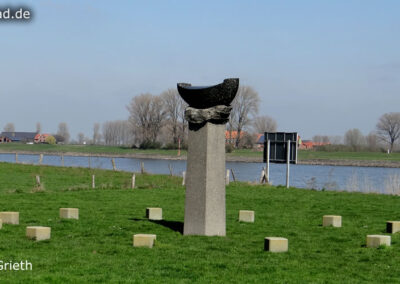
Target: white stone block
{"x":274,"y":244}
{"x":154,"y":213}
{"x":38,"y":233}
{"x":10,"y":217}
{"x":374,"y":241}
{"x":144,"y":240}
{"x":332,"y":220}
{"x":246,"y":216}
{"x":69,"y":213}
{"x":392,"y":227}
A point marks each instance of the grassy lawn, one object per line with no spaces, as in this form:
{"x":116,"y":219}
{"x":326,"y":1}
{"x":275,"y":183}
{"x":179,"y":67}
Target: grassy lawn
{"x":85,"y":149}
{"x":366,"y":156}
{"x":98,"y":247}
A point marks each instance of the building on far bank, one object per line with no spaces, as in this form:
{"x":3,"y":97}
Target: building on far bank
{"x":41,"y":138}
{"x":23,"y":137}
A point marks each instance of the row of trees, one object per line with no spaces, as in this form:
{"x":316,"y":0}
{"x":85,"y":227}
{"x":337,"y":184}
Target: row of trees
{"x":386,"y":134}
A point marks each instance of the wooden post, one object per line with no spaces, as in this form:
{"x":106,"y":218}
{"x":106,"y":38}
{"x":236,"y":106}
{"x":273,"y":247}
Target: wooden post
{"x":113,"y":164}
{"x":38,"y":180}
{"x":287,"y":164}
{"x":262,"y":177}
{"x":93,"y":181}
{"x":227,"y":178}
{"x":16,"y":158}
{"x":142,"y":167}
{"x":170,"y":169}
{"x":90,"y":162}
{"x":184,"y":178}
{"x":267,"y":163}
{"x":179,"y":146}
{"x":40,"y":159}
{"x":62,"y":160}
{"x":233,"y":175}
{"x":133,"y":181}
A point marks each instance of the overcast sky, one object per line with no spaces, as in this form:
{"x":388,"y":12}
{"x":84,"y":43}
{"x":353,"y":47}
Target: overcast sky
{"x":320,"y":67}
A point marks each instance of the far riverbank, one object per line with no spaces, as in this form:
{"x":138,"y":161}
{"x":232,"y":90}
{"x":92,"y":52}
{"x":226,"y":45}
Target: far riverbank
{"x":230,"y":158}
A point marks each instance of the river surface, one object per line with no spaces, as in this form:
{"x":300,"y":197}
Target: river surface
{"x":362,"y":179}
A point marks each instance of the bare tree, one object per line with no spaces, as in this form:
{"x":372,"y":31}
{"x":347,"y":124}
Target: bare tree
{"x":321,"y":139}
{"x":96,"y":133}
{"x":388,"y":128}
{"x":354,"y":138}
{"x":264,"y":123}
{"x":244,"y":106}
{"x":38,"y":127}
{"x":63,"y":131}
{"x":372,"y":141}
{"x":81,"y":138}
{"x":117,"y":133}
{"x":147,"y":114}
{"x":9,"y":127}
{"x":174,"y":109}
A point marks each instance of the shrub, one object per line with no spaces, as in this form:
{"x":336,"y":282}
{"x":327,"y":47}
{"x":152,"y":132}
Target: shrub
{"x":228,"y":148}
{"x":149,"y":145}
{"x":50,"y":140}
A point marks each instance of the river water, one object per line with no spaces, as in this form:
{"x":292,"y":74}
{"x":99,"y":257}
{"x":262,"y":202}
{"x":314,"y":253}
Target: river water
{"x":362,"y":179}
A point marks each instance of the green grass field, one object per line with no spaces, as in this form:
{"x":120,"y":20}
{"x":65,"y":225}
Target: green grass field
{"x":98,"y":247}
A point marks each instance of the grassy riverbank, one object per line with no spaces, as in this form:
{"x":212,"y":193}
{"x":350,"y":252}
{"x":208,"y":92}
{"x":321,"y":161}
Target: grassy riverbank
{"x":98,"y":247}
{"x":240,"y":154}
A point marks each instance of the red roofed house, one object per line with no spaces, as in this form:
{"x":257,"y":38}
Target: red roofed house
{"x":41,"y":138}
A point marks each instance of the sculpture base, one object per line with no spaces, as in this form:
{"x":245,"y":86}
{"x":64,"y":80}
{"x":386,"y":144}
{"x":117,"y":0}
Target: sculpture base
{"x":205,"y":182}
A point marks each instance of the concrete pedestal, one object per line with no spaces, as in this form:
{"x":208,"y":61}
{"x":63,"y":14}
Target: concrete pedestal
{"x":10,"y":217}
{"x":154,"y":213}
{"x":38,"y":233}
{"x":144,"y":240}
{"x":374,"y":241}
{"x":392,"y":227}
{"x":274,"y":244}
{"x":332,"y":220}
{"x":69,"y":213}
{"x":205,"y":182}
{"x":246,"y":216}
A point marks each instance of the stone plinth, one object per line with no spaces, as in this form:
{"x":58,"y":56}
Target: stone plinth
{"x":10,"y":217}
{"x":246,"y":216}
{"x":392,"y":227}
{"x":154,"y":213}
{"x":374,"y":241}
{"x":38,"y":233}
{"x":274,"y":244}
{"x":205,"y":182}
{"x":69,"y":213}
{"x":144,"y":240}
{"x":332,"y":220}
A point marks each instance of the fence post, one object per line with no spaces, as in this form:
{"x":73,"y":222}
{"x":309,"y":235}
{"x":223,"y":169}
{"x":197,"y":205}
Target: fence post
{"x":38,"y":180}
{"x":62,"y":160}
{"x":113,"y":164}
{"x":93,"y":182}
{"x":287,"y":164}
{"x":184,"y":178}
{"x":16,"y":158}
{"x":133,"y":181}
{"x":142,"y":167}
{"x":227,"y":177}
{"x":40,"y":159}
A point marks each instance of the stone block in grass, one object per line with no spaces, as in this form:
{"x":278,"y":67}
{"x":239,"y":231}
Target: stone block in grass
{"x":144,"y":240}
{"x":246,"y":216}
{"x":154,"y":213}
{"x":374,"y":241}
{"x":10,"y":217}
{"x":38,"y":233}
{"x":69,"y":213}
{"x":392,"y":227}
{"x":332,"y":220}
{"x":276,"y":244}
